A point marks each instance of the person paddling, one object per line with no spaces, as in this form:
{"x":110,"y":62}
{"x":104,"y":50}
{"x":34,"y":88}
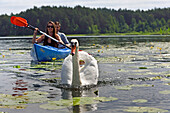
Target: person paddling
{"x":51,"y":31}
{"x":62,"y":35}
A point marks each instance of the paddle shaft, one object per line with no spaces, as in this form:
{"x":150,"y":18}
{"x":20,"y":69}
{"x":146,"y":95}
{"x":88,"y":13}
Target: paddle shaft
{"x":33,"y":28}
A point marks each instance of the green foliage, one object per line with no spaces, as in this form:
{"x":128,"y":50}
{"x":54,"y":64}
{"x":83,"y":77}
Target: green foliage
{"x":83,"y":20}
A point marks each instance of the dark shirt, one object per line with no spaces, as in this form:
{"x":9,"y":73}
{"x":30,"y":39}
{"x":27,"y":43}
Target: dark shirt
{"x":53,"y":43}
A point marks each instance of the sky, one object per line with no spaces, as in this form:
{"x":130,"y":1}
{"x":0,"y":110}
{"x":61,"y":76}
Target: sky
{"x":16,"y":6}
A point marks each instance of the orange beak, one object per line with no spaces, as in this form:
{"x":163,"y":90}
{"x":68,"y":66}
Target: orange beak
{"x":73,"y":50}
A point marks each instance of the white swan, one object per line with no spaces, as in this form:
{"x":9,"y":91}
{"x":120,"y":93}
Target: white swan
{"x":79,"y":68}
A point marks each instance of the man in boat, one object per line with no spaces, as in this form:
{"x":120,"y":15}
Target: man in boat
{"x":62,"y":35}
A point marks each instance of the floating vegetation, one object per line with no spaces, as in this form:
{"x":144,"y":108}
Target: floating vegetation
{"x":156,"y":78}
{"x":50,"y":80}
{"x":109,"y":59}
{"x":48,"y":66}
{"x":145,"y":109}
{"x":36,"y":97}
{"x":167,"y":75}
{"x":167,"y":84}
{"x":64,"y":103}
{"x":129,"y":87}
{"x":143,"y":68}
{"x":9,"y":101}
{"x":123,"y":87}
{"x":18,"y":102}
{"x":17,"y":66}
{"x":140,"y":101}
{"x":165,"y":92}
{"x":51,"y":106}
{"x":20,"y":53}
{"x":163,"y":78}
{"x":104,"y":99}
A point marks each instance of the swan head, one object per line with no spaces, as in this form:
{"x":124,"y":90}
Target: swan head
{"x":74,"y":46}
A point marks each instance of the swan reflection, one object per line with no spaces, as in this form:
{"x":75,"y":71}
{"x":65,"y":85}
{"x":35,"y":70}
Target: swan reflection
{"x":71,"y":93}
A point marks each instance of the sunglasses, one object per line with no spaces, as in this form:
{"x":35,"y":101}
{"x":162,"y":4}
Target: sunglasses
{"x":50,"y":26}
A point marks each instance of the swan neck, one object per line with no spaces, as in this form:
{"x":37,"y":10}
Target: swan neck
{"x":76,"y":72}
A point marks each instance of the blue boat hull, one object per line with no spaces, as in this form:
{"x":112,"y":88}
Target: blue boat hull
{"x":46,"y":53}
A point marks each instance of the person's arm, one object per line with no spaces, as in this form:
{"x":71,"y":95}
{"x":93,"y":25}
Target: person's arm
{"x":59,"y":39}
{"x":65,"y":40}
{"x":34,"y":36}
{"x":38,"y":40}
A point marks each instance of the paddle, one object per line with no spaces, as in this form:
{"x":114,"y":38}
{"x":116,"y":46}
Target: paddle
{"x":18,"y":21}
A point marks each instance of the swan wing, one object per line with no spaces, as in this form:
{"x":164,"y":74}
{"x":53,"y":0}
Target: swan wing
{"x":89,"y":72}
{"x":66,"y":71}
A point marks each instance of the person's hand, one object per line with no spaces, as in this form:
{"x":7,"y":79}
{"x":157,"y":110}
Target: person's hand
{"x":35,"y":31}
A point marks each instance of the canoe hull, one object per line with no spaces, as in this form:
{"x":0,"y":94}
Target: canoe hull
{"x":46,"y":53}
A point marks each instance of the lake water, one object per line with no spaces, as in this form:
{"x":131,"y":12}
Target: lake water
{"x":135,"y":71}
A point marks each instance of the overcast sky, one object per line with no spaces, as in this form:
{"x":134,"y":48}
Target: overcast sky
{"x":16,"y":6}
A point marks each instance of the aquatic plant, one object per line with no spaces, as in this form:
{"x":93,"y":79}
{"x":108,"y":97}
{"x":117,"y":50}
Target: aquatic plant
{"x":64,"y":103}
{"x":140,"y":101}
{"x":129,"y":87}
{"x":17,"y":66}
{"x":142,"y":67}
{"x":19,"y":102}
{"x":145,"y":109}
{"x":165,"y":92}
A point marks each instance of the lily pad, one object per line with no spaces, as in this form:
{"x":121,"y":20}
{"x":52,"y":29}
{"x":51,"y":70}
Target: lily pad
{"x":14,"y":107}
{"x":129,"y":87}
{"x":167,"y":84}
{"x":18,"y":102}
{"x":142,"y":67}
{"x":36,"y":97}
{"x":145,"y":109}
{"x":167,"y":75}
{"x":49,"y":66}
{"x":123,"y":87}
{"x":141,"y":85}
{"x":50,"y":106}
{"x":156,"y":78}
{"x":166,"y":79}
{"x":104,"y":99}
{"x":63,"y":103}
{"x":17,"y":66}
{"x":84,"y":100}
{"x":165,"y":92}
{"x":140,"y":101}
{"x":9,"y":101}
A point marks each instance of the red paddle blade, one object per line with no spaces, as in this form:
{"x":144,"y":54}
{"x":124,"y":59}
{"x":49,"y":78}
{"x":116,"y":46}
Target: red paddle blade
{"x":18,"y":21}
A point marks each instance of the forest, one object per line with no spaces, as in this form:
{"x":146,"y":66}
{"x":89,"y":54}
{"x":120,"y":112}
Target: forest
{"x":85,"y":20}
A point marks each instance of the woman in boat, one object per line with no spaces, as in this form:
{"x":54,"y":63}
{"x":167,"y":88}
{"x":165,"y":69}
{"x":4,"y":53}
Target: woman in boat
{"x":51,"y":31}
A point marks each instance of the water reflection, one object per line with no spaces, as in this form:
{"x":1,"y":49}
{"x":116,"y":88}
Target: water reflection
{"x":69,"y":94}
{"x":20,"y":86}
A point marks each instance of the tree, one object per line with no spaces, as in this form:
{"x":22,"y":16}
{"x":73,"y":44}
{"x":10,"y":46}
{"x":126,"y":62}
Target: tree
{"x":133,"y":24}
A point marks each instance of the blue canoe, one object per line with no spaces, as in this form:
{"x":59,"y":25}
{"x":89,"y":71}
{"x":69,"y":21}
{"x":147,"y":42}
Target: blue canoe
{"x":46,"y":53}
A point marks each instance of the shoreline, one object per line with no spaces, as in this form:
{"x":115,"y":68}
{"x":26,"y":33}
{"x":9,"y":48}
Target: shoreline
{"x":88,"y":36}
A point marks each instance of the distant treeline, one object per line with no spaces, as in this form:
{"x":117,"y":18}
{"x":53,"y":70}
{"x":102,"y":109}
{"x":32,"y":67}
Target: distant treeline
{"x":83,"y":20}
